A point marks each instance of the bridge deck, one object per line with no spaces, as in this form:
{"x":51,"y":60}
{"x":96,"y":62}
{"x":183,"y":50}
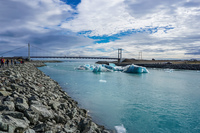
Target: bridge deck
{"x":74,"y":57}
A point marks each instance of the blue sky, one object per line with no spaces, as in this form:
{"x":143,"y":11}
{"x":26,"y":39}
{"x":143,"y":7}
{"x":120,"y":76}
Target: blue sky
{"x":72,"y":3}
{"x":159,"y":29}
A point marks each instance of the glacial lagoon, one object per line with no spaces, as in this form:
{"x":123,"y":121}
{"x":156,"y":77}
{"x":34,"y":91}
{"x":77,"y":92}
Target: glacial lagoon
{"x":163,"y":100}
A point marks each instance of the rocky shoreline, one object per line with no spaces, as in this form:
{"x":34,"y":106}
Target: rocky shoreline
{"x":173,"y":66}
{"x":31,"y":102}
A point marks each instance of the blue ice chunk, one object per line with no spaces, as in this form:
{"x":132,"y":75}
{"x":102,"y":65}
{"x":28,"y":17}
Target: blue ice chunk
{"x":112,"y":67}
{"x":112,"y":64}
{"x":145,"y":70}
{"x":92,"y":67}
{"x":87,"y":65}
{"x":118,"y":68}
{"x":109,"y":67}
{"x":135,"y":69}
{"x":83,"y":67}
{"x":100,"y":68}
{"x":97,"y":69}
{"x":103,"y":65}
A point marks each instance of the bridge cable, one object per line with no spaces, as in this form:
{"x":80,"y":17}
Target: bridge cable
{"x":130,"y":53}
{"x":43,"y":49}
{"x":12,"y":50}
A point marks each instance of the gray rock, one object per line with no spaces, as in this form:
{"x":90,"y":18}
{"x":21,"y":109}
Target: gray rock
{"x":37,"y":88}
{"x":83,"y":112}
{"x":9,"y":98}
{"x":3,"y":125}
{"x":21,"y":104}
{"x":14,"y":114}
{"x":14,"y":86}
{"x":54,"y":105}
{"x":10,"y":105}
{"x":35,"y":102}
{"x":43,"y":112}
{"x":69,"y":128}
{"x":73,"y":113}
{"x":32,"y":116}
{"x":41,"y":128}
{"x":49,"y":132}
{"x":50,"y":123}
{"x":7,"y":73}
{"x":2,"y":89}
{"x":60,"y":118}
{"x":13,"y":124}
{"x":5,"y":93}
{"x":8,"y":89}
{"x":1,"y":85}
{"x":63,"y":106}
{"x":29,"y":131}
{"x":7,"y":82}
{"x":3,"y":132}
{"x":4,"y":108}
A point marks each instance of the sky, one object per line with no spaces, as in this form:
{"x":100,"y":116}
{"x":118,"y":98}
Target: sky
{"x":160,"y":29}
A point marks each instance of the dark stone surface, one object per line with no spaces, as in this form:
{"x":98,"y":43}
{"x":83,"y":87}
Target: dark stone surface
{"x":36,"y":103}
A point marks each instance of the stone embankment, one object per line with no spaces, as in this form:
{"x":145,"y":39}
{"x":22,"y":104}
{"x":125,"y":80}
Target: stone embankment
{"x":31,"y":102}
{"x":174,"y":66}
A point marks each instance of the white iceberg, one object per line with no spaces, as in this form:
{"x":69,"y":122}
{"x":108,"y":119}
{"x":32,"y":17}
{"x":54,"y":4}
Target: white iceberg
{"x":85,"y":67}
{"x":120,"y":129}
{"x":100,"y":68}
{"x":102,"y":81}
{"x":113,"y":67}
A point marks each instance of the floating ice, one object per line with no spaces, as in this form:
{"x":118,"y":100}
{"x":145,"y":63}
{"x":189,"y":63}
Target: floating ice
{"x":168,"y":70}
{"x":135,"y":69}
{"x":112,"y":67}
{"x":120,"y":129}
{"x":112,"y":64}
{"x":100,"y":68}
{"x":85,"y":67}
{"x":102,"y":81}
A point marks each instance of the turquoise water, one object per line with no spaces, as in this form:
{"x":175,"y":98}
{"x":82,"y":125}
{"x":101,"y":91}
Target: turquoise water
{"x":157,"y":102}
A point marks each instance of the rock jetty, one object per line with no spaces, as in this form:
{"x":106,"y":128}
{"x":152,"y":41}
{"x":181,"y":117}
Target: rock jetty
{"x":173,"y":66}
{"x":31,"y":102}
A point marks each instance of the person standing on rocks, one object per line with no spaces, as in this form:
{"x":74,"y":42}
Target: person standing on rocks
{"x":11,"y":62}
{"x":2,"y":62}
{"x":7,"y":62}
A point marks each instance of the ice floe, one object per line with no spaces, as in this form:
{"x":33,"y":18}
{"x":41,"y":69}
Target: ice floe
{"x":112,"y":67}
{"x":102,"y":81}
{"x":169,"y":70}
{"x":120,"y":129}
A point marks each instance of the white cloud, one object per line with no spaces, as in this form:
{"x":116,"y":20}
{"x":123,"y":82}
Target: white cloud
{"x":104,"y":17}
{"x":101,"y":16}
{"x":33,"y":15}
{"x":38,"y":20}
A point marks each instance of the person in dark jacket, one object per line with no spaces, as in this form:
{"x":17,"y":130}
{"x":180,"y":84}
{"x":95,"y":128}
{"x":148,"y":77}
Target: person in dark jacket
{"x":7,"y":62}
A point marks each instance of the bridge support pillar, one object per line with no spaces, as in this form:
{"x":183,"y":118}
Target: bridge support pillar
{"x":119,"y":55}
{"x":29,"y":52}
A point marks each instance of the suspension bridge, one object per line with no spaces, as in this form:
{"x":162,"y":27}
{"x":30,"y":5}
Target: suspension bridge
{"x":30,"y":54}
